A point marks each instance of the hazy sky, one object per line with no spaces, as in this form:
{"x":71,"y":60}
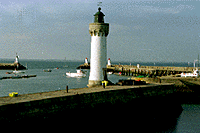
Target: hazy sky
{"x":140,"y":30}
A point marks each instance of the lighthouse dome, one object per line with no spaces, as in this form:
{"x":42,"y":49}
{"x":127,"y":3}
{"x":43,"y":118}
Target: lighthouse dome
{"x":99,"y":17}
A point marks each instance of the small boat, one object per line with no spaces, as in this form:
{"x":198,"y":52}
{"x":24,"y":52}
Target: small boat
{"x":28,"y":76}
{"x":9,"y":72}
{"x":47,"y":70}
{"x":194,"y":74}
{"x":25,"y":76}
{"x":17,"y":72}
{"x":109,"y":73}
{"x":79,"y":73}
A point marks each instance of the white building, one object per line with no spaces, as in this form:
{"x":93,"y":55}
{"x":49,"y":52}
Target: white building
{"x":98,"y":31}
{"x":194,"y":74}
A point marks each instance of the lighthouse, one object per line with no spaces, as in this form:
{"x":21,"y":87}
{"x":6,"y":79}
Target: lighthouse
{"x":99,"y":32}
{"x":109,"y":62}
{"x":86,"y":61}
{"x":16,"y":59}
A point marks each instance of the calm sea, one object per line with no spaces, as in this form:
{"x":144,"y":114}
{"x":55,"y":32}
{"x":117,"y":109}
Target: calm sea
{"x":188,"y":121}
{"x":45,"y":81}
{"x":55,"y":80}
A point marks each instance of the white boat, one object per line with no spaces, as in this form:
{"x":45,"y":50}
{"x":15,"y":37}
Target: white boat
{"x":109,"y":73}
{"x":79,"y":73}
{"x":17,"y":72}
{"x":194,"y":74}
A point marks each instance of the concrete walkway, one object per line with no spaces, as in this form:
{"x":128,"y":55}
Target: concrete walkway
{"x":60,"y":93}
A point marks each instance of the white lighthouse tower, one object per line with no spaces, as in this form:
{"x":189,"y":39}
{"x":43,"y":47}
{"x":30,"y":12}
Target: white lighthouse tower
{"x":16,"y":59}
{"x":98,"y":31}
{"x":109,"y":62}
{"x":86,"y":61}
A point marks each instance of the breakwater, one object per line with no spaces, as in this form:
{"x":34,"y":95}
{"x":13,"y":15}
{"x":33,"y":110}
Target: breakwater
{"x":116,"y":104}
{"x":18,"y":77}
{"x":151,"y":71}
{"x":84,"y":66}
{"x":11,"y":66}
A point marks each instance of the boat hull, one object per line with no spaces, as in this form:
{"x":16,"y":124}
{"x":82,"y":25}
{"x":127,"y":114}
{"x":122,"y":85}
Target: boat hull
{"x":18,"y":72}
{"x":76,"y":74}
{"x":48,"y":70}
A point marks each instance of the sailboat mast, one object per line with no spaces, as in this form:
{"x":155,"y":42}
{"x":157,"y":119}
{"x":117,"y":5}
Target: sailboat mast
{"x":198,"y":60}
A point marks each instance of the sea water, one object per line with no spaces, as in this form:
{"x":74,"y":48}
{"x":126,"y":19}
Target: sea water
{"x":55,"y":80}
{"x":45,"y":81}
{"x":188,"y":121}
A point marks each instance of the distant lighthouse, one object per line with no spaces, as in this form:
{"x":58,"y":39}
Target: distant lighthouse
{"x":86,"y":61}
{"x":16,"y":59}
{"x":98,"y":31}
{"x":109,"y":62}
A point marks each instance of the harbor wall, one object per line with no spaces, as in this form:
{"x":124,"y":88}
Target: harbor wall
{"x":156,"y":67}
{"x":11,"y":66}
{"x":151,"y":71}
{"x":95,"y":104}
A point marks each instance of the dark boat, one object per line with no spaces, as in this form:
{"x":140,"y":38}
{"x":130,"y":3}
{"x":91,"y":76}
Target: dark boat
{"x":28,"y":76}
{"x":47,"y":70}
{"x":16,"y":77}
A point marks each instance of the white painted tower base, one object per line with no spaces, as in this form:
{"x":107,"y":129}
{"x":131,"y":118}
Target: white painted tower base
{"x":98,"y":59}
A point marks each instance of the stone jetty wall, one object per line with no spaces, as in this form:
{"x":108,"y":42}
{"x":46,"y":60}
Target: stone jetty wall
{"x":151,"y":71}
{"x":11,"y":66}
{"x":66,"y":105}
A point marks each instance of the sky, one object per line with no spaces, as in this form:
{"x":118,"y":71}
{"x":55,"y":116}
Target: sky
{"x":140,"y":30}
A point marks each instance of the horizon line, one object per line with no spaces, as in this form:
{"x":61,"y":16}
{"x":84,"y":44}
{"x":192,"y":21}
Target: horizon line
{"x":115,"y":61}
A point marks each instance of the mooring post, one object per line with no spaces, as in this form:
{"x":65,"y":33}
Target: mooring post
{"x":129,"y":72}
{"x":135,"y":72}
{"x":104,"y":86}
{"x":67,"y":89}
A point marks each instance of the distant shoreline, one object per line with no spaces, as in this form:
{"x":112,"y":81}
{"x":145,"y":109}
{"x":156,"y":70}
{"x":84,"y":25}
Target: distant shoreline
{"x":178,"y":64}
